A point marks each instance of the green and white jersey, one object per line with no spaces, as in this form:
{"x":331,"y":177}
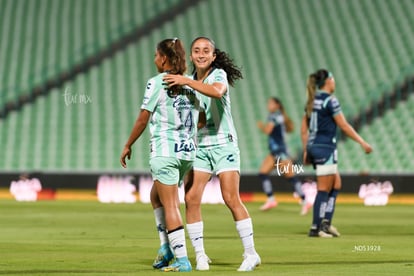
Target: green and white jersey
{"x":174,"y":119}
{"x":219,"y":127}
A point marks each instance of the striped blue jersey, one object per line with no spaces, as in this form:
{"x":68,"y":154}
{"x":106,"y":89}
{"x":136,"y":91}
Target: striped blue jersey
{"x":322,"y":126}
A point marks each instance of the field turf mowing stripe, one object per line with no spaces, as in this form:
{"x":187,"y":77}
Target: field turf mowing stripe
{"x":84,"y":237}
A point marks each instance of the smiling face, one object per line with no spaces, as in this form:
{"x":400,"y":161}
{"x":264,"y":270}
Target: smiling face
{"x":202,"y":54}
{"x":159,"y":60}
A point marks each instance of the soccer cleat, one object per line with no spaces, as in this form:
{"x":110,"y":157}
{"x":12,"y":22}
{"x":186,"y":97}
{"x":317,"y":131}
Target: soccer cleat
{"x":250,"y":262}
{"x":332,"y":230}
{"x":164,"y":256}
{"x":319,"y":233}
{"x":180,"y":265}
{"x":329,"y":229}
{"x":203,"y":262}
{"x":268,"y":205}
{"x":306,"y":206}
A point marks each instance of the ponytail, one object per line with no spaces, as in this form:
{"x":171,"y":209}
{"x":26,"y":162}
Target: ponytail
{"x":310,"y":93}
{"x":315,"y":80}
{"x":288,"y":122}
{"x":289,"y":126}
{"x":173,"y":49}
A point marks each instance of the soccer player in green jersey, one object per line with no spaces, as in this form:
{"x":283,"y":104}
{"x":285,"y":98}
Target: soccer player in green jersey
{"x":217,"y":148}
{"x":172,"y":113}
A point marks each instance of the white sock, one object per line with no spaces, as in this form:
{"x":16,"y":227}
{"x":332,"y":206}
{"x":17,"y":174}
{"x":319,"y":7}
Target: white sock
{"x":177,"y":242}
{"x":245,"y":229}
{"x":195,"y":232}
{"x":160,"y":223}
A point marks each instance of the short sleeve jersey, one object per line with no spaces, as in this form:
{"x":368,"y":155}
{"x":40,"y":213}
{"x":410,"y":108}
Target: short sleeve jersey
{"x":219,"y":128}
{"x":322,"y":126}
{"x":277,"y":136}
{"x":174,"y":119}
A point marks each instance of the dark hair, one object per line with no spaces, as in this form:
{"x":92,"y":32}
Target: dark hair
{"x":288,"y":122}
{"x":315,"y":80}
{"x":173,"y":49}
{"x":222,"y":61}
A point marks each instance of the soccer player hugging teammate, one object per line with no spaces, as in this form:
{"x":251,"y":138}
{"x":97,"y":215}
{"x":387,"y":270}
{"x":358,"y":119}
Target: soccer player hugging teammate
{"x":172,"y":114}
{"x":277,"y":124}
{"x":217,"y":148}
{"x":322,"y":115}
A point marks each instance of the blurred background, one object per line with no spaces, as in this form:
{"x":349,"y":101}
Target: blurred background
{"x":73,"y":75}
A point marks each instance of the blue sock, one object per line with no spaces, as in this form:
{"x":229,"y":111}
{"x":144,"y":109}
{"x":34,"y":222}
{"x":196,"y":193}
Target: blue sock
{"x":297,"y":185}
{"x":330,"y":208}
{"x":319,"y":208}
{"x":266,"y":184}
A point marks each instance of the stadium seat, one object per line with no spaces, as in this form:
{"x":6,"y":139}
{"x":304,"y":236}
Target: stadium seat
{"x":277,"y":44}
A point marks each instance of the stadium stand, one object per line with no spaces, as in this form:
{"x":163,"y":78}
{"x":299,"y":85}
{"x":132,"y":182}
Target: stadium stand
{"x":365,"y":43}
{"x":392,"y":138}
{"x":41,"y":38}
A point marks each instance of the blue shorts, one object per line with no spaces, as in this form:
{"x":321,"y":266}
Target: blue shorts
{"x":280,"y":153}
{"x":323,"y":158}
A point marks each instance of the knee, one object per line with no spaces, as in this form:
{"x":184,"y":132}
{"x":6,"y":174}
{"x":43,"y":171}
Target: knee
{"x":192,"y":199}
{"x":231,"y":200}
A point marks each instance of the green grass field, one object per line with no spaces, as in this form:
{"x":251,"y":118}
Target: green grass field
{"x":89,"y":238}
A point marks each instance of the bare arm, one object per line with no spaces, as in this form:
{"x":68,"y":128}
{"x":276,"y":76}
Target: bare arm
{"x":350,"y":132}
{"x":215,"y":90}
{"x":139,"y":127}
{"x":265,"y":128}
{"x":201,"y":120}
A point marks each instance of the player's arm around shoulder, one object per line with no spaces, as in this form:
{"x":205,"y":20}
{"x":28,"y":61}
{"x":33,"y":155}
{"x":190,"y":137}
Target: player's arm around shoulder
{"x":214,"y":90}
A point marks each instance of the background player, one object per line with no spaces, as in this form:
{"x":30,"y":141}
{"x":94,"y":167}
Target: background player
{"x":278,"y":123}
{"x":217,"y":148}
{"x":173,"y":116}
{"x":323,"y":115}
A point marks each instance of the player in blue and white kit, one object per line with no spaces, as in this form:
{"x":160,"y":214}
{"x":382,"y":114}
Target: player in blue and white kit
{"x":172,"y":114}
{"x":277,"y":125}
{"x":217,"y":150}
{"x":323,"y":115}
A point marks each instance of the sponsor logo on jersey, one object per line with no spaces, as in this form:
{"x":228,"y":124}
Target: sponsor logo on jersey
{"x":172,"y":93}
{"x":184,"y":146}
